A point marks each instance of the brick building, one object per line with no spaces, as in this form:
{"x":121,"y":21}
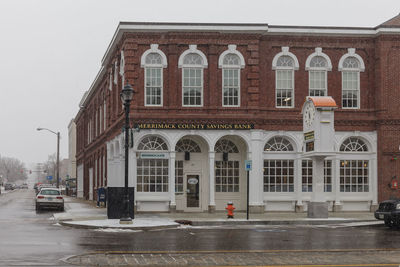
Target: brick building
{"x":210,"y":96}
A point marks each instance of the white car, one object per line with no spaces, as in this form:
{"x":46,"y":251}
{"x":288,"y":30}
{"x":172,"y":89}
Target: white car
{"x":49,"y":198}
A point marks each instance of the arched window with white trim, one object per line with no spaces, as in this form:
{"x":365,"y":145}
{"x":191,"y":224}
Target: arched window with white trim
{"x":192,"y":62}
{"x":278,"y":173}
{"x":152,"y":173}
{"x":318,"y":64}
{"x":351,"y":65}
{"x":153,"y":61}
{"x":354,"y":171}
{"x":284,"y":64}
{"x":231,"y":61}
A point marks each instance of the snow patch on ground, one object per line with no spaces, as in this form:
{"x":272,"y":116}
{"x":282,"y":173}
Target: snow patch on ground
{"x":116,"y":230}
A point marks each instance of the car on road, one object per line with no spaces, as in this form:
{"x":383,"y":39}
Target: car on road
{"x":24,"y":186}
{"x":389,"y":212}
{"x":40,"y":186}
{"x":49,"y":197}
{"x":9,"y":186}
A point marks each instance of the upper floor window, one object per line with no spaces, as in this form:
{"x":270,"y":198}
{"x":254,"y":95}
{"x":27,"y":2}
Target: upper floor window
{"x":122,"y":68}
{"x":192,"y":62}
{"x":351,"y":65}
{"x":318,"y":64}
{"x":284,"y":64}
{"x":231,"y":61}
{"x":153,"y":61}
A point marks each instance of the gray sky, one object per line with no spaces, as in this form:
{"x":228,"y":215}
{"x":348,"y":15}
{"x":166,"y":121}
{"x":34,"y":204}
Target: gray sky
{"x":50,"y":51}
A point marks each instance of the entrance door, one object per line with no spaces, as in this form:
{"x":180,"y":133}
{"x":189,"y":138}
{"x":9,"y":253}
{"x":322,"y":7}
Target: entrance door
{"x":192,"y":191}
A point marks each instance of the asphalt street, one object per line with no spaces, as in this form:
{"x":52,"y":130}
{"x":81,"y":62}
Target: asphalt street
{"x":35,"y":239}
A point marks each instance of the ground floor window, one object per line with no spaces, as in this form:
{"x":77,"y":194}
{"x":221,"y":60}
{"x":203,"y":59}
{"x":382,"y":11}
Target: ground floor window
{"x":354,"y":176}
{"x":152,"y":175}
{"x":278,"y":175}
{"x":179,"y":176}
{"x":227,"y":176}
{"x":306,"y":175}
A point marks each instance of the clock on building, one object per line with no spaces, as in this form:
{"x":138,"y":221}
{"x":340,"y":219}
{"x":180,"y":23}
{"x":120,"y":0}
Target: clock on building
{"x":318,"y":124}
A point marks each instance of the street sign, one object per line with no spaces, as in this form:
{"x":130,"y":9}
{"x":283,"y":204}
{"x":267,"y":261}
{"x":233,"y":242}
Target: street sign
{"x":248,"y":164}
{"x":49,"y":177}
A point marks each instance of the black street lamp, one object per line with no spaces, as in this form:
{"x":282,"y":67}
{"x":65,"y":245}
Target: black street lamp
{"x":126,"y":98}
{"x":58,"y":153}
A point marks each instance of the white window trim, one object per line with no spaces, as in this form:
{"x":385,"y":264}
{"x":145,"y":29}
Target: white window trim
{"x":318,"y":52}
{"x":162,"y":88}
{"x":276,"y":89}
{"x":192,"y":49}
{"x":285,"y":52}
{"x":122,"y":68}
{"x":358,"y":90}
{"x":351,"y":53}
{"x":164,"y":64}
{"x":153,"y":49}
{"x":202,"y":87}
{"x":231,"y":50}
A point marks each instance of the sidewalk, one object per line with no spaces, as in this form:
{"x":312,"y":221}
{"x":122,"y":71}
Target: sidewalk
{"x":84,"y":214}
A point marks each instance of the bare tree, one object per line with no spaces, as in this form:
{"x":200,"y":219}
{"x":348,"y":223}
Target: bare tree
{"x":12,"y":170}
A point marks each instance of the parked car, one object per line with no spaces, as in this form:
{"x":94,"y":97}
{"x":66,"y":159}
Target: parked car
{"x":9,"y":186}
{"x":389,"y":211}
{"x":24,"y":186}
{"x":49,"y":198}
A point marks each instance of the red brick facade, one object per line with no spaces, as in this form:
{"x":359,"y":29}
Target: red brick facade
{"x":379,"y":86}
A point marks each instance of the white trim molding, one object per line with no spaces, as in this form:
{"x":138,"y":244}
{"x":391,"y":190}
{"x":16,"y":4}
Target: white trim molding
{"x":318,"y":52}
{"x":154,"y":49}
{"x":285,"y":52}
{"x":351,"y":53}
{"x":231,"y":50}
{"x":192,"y":49}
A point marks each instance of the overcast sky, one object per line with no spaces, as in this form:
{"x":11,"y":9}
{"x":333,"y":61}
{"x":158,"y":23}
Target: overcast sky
{"x":50,"y":51}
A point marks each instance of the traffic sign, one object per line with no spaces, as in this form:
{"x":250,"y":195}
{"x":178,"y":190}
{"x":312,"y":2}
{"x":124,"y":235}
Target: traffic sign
{"x":248,"y":164}
{"x":49,"y":177}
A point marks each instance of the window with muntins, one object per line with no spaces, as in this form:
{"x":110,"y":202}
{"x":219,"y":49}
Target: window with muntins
{"x":192,"y":81}
{"x":152,"y":174}
{"x":231,"y":80}
{"x":284,"y":75}
{"x":278,"y":143}
{"x":351,"y":83}
{"x":187,"y":145}
{"x":318,"y":64}
{"x":278,"y":175}
{"x":153,"y":80}
{"x":226,"y":176}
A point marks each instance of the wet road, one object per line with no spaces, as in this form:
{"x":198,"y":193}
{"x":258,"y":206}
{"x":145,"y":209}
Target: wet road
{"x":30,"y":238}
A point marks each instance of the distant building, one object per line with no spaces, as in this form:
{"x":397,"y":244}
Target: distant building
{"x":210,"y":96}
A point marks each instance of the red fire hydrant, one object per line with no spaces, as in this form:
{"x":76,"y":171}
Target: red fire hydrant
{"x":230,"y":208}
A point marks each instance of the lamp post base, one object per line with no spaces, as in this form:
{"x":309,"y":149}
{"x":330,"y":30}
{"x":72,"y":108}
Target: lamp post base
{"x":125,"y":221}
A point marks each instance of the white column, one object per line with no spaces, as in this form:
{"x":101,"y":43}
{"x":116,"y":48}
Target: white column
{"x":212,"y":178}
{"x":172,"y":156}
{"x":374,"y":180}
{"x":256,"y":190}
{"x":318,"y":180}
{"x":298,"y":181}
{"x":336,"y":180}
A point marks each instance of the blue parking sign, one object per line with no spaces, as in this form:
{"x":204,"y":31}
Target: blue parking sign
{"x":248,"y":165}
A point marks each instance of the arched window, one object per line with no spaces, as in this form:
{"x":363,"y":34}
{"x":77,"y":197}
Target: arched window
{"x":187,"y":145}
{"x":192,"y":62}
{"x":284,"y":64}
{"x":152,"y":143}
{"x":353,"y":144}
{"x":351,"y":65}
{"x":354,"y":173}
{"x":153,"y":61}
{"x":122,"y":68}
{"x":225,"y":146}
{"x":152,"y":174}
{"x":318,"y":64}
{"x":278,"y":143}
{"x":231,"y":61}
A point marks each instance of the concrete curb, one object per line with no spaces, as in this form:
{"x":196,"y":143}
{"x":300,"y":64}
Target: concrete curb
{"x":143,"y":228}
{"x":275,"y":222}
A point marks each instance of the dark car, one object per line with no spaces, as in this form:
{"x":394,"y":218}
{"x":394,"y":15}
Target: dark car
{"x":389,"y":211}
{"x":9,"y":186}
